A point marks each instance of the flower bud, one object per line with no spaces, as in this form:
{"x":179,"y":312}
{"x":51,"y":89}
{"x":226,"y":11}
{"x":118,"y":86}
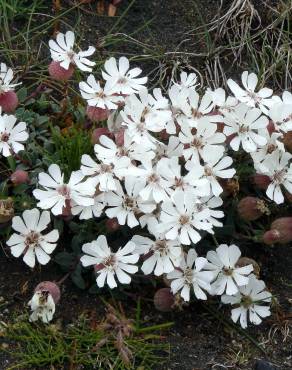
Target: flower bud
{"x":8,"y":101}
{"x":271,"y":127}
{"x":46,"y":295}
{"x":97,"y":133}
{"x":245,"y":261}
{"x":230,"y":186}
{"x":57,"y":72}
{"x":66,"y":211}
{"x":287,"y":141}
{"x":164,"y":300}
{"x":19,"y":177}
{"x":119,"y":137}
{"x":6,"y":210}
{"x":251,"y":208}
{"x":261,"y":181}
{"x":50,"y":287}
{"x":112,"y":224}
{"x":96,"y":114}
{"x":280,"y":232}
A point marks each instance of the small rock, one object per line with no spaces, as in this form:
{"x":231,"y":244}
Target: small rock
{"x":263,"y":365}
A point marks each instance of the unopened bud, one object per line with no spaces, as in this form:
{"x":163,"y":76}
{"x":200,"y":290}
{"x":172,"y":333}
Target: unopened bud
{"x":251,"y":208}
{"x":19,"y":177}
{"x":112,"y":224}
{"x":245,"y":261}
{"x":6,"y":210}
{"x":287,"y":141}
{"x":46,"y":295}
{"x":271,"y":237}
{"x":119,"y":137}
{"x":261,"y":181}
{"x":57,"y":72}
{"x":66,"y":211}
{"x":230,"y":186}
{"x":51,"y":288}
{"x":96,"y":114}
{"x":98,"y":132}
{"x":271,"y":127}
{"x":164,"y":300}
{"x":280,"y":232}
{"x":8,"y":101}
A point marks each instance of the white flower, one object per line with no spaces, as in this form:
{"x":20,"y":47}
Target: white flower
{"x":11,"y":136}
{"x":97,"y":96}
{"x":127,"y":207}
{"x":43,"y":306}
{"x":180,"y":220}
{"x":109,"y":152}
{"x":187,"y":81}
{"x":216,"y":165}
{"x":144,"y":115}
{"x":273,"y":143}
{"x":199,"y":108}
{"x":87,"y":212}
{"x":190,"y":274}
{"x":174,"y":148}
{"x":6,"y":76}
{"x":210,"y":203}
{"x":196,"y":139}
{"x":223,"y":265}
{"x":170,"y":170}
{"x":154,"y":185}
{"x":161,"y":256}
{"x":179,"y":106}
{"x":250,"y":300}
{"x":261,"y":99}
{"x":281,"y":112}
{"x":120,"y":79}
{"x":104,"y":174}
{"x":279,"y":169}
{"x":221,"y":102}
{"x":57,"y":194}
{"x":244,"y":123}
{"x":30,"y":241}
{"x":110,"y":264}
{"x":62,"y":51}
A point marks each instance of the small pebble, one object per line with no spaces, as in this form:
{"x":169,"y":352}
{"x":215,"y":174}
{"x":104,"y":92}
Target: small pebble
{"x":263,"y":365}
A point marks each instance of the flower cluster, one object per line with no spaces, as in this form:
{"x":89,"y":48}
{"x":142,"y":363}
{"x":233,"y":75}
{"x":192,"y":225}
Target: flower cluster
{"x":161,"y":166}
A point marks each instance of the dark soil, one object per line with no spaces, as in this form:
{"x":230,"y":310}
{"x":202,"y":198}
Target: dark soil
{"x":198,"y":339}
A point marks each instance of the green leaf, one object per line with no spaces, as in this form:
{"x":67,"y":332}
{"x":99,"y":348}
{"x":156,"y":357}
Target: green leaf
{"x":77,"y":278}
{"x":65,"y":259}
{"x":22,"y":94}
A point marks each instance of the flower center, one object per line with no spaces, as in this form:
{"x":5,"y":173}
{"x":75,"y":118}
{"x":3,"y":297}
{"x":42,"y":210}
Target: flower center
{"x":110,"y":262}
{"x":243,"y":129}
{"x":178,"y":182}
{"x":64,"y":190}
{"x":227,"y":271}
{"x":104,"y":168}
{"x":196,"y":113}
{"x":271,"y":148}
{"x":188,"y":275}
{"x":32,"y":239}
{"x":161,"y":247}
{"x":184,"y":219}
{"x":153,"y":178}
{"x":122,"y":80}
{"x":207,"y":171}
{"x":279,"y":176}
{"x":129,"y":203}
{"x":197,"y":143}
{"x":246,"y":301}
{"x":5,"y":136}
